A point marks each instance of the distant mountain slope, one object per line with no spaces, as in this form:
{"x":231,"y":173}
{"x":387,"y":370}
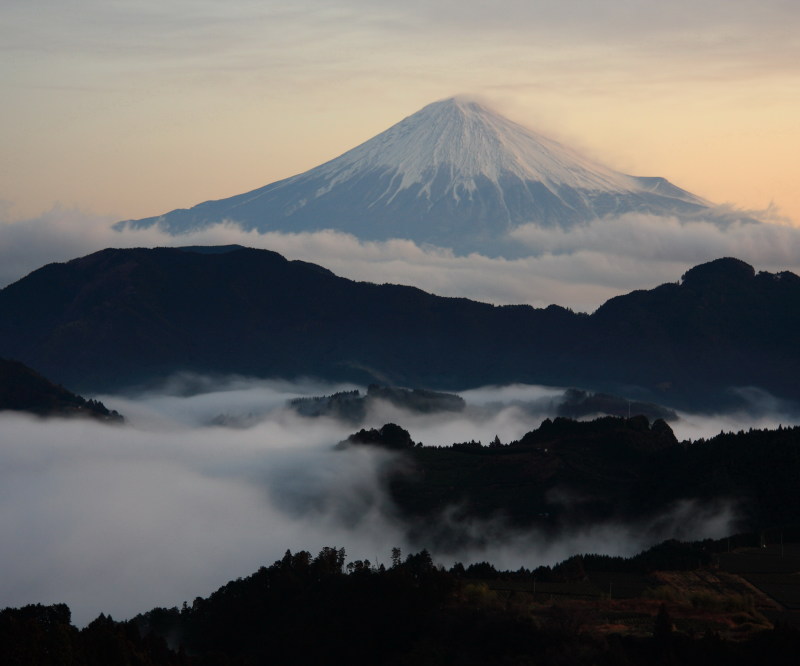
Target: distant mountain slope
{"x":722,"y":325}
{"x":353,"y":407}
{"x":120,"y":317}
{"x":455,"y":174}
{"x":24,"y":390}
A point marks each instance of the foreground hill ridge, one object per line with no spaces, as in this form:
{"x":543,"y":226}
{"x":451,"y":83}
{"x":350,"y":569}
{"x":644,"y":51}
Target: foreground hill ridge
{"x":417,"y":611}
{"x":121,"y":317}
{"x":456,"y":174}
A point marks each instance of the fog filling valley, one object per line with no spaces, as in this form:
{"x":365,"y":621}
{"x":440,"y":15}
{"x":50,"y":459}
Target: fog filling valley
{"x":171,"y":505}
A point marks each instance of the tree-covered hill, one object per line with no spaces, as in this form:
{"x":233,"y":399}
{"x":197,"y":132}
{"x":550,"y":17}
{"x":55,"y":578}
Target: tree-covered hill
{"x":567,"y":475}
{"x":306,"y":609}
{"x":121,"y":317}
{"x":24,"y":390}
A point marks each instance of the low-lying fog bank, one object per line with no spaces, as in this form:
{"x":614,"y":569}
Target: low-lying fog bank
{"x":171,"y":505}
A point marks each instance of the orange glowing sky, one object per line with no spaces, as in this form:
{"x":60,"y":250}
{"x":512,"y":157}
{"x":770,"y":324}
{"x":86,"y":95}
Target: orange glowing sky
{"x":131,"y":109}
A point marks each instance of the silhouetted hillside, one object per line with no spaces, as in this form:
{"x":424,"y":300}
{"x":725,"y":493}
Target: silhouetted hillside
{"x":723,"y":325}
{"x":577,"y":474}
{"x":119,"y":317}
{"x":22,"y":389}
{"x":352,"y":406}
{"x":306,"y":609}
{"x":577,"y":403}
{"x":122,"y":317}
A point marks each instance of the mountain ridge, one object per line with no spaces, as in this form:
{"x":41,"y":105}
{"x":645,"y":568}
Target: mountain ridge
{"x":118,"y":318}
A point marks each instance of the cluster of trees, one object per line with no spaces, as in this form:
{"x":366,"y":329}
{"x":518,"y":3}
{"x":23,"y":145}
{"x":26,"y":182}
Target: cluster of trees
{"x":38,"y":635}
{"x":308,"y":609}
{"x":622,"y":469}
{"x":389,"y":436}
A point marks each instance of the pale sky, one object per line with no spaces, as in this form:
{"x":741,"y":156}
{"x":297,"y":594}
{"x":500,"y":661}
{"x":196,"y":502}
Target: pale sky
{"x":130,"y":109}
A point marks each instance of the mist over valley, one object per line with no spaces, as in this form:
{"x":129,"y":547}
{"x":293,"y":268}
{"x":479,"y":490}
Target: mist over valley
{"x":112,"y":512}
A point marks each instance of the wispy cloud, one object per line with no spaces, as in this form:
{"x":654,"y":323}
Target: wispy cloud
{"x":669,"y":239}
{"x":721,"y":32}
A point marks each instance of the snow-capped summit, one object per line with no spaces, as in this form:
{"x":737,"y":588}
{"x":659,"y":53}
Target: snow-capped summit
{"x":455,"y":174}
{"x":473,"y":143}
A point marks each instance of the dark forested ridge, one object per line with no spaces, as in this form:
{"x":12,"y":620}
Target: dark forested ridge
{"x":569,"y":475}
{"x":121,"y":317}
{"x":24,"y":390}
{"x":353,"y":407}
{"x":671,"y":605}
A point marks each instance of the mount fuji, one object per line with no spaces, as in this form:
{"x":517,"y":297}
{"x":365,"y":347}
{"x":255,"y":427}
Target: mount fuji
{"x":454,"y":174}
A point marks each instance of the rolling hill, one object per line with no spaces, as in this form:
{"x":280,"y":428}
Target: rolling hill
{"x":117,"y":318}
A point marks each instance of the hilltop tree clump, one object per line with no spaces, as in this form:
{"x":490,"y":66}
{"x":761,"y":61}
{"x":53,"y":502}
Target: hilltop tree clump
{"x":389,"y":436}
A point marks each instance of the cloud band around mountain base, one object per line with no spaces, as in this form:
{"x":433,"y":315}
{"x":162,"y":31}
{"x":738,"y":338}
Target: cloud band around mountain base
{"x":580,"y":267}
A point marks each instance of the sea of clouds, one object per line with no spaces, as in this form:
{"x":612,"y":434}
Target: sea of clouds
{"x":579,"y":268}
{"x":168,"y":506}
